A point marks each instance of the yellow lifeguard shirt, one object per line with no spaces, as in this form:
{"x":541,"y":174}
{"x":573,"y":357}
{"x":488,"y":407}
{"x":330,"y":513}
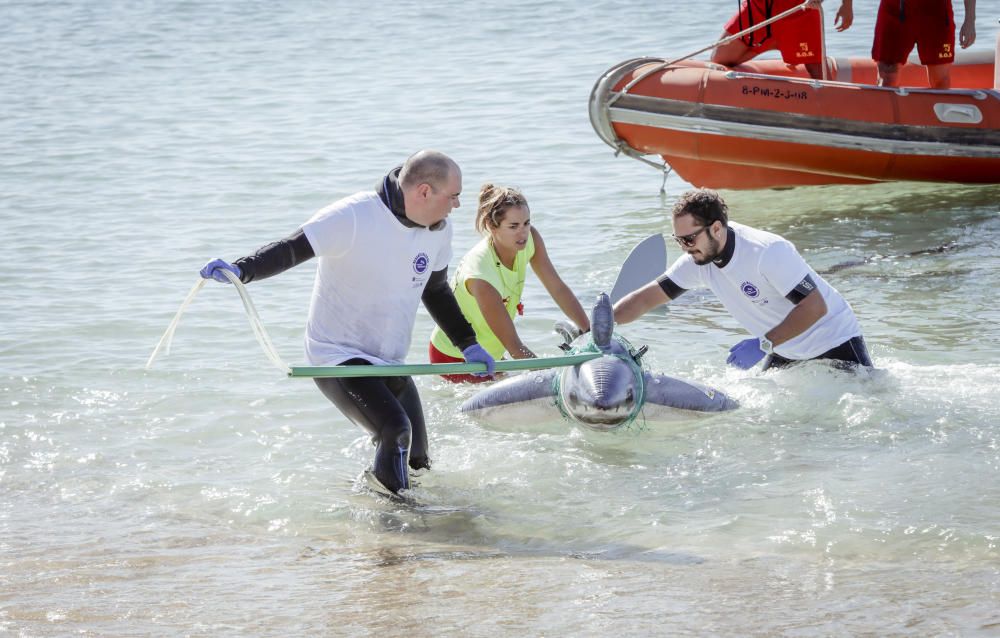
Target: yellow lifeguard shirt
{"x":482,"y":263}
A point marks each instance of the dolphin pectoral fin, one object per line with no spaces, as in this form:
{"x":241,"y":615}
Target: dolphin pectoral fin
{"x":528,"y":395}
{"x":566,"y":330}
{"x":662,"y":390}
{"x":523,"y":416}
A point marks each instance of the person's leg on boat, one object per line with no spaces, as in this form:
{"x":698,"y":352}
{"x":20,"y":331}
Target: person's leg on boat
{"x":939,"y":76}
{"x":733,"y":53}
{"x":894,"y":38}
{"x":888,"y":74}
{"x":815,"y":71}
{"x":936,"y":42}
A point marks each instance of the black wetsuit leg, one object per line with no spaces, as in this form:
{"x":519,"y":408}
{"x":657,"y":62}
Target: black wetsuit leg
{"x":847,"y":356}
{"x":389,"y":409}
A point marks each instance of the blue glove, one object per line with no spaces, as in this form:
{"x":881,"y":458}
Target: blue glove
{"x":477,"y":354}
{"x":214,"y":268}
{"x":745,"y":354}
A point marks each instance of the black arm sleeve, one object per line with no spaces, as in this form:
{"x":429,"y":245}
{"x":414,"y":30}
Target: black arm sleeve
{"x":801,"y":290}
{"x":440,"y":302}
{"x":669,"y":288}
{"x":276,"y":257}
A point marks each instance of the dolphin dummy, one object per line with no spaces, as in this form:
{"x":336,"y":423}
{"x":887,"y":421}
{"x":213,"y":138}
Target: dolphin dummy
{"x":602,"y":394}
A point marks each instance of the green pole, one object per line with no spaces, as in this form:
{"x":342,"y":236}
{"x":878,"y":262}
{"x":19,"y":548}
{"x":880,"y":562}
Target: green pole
{"x":439,"y":368}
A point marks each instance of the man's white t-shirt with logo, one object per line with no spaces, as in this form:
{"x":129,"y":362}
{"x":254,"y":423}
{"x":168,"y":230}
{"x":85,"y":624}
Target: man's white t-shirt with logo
{"x":752,"y":286}
{"x":372,"y":272}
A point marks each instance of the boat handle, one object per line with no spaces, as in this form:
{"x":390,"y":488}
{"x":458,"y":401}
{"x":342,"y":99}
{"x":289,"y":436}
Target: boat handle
{"x":958,"y":113}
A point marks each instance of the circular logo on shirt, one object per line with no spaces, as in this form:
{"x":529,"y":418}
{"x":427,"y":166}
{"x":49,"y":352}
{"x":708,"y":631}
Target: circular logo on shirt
{"x":749,"y":289}
{"x":420,"y":263}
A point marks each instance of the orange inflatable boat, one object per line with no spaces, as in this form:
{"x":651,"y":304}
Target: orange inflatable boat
{"x":763,"y":125}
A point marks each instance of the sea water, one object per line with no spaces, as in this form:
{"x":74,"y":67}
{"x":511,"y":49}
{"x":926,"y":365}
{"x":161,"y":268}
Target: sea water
{"x":213,"y":496}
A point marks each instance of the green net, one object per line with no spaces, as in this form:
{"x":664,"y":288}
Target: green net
{"x":632,"y":358}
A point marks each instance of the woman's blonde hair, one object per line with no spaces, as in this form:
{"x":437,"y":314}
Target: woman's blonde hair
{"x":493,"y":204}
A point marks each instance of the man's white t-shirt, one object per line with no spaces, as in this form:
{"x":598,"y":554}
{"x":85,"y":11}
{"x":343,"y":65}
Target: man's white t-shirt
{"x":752,"y":286}
{"x":371,"y":274}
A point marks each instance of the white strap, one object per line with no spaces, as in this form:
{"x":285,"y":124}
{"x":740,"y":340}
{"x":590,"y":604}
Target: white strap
{"x":255,"y":323}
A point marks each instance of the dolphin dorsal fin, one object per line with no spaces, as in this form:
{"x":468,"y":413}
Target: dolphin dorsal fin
{"x":602,"y":321}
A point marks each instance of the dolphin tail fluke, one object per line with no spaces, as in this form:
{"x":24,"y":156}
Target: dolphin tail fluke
{"x":662,"y":390}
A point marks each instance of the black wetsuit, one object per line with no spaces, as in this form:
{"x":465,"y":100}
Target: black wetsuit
{"x":388,"y":408}
{"x":847,"y":356}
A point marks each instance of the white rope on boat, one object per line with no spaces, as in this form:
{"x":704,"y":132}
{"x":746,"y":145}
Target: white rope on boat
{"x":255,"y":323}
{"x":663,"y":167}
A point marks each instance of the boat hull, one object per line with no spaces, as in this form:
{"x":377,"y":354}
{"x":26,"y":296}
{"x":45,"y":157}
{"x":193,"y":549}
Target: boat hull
{"x":758,"y":126}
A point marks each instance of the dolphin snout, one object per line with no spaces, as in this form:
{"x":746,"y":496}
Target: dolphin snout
{"x":601,"y":393}
{"x":616,"y":404}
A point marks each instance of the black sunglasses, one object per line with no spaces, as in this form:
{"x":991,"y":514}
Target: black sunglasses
{"x":689,"y":239}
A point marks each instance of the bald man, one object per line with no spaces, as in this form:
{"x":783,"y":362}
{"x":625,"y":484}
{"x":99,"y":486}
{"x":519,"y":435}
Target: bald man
{"x":381,"y":253}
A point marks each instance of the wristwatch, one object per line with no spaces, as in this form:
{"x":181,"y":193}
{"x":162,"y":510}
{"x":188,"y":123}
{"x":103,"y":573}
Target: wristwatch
{"x":766,"y":346}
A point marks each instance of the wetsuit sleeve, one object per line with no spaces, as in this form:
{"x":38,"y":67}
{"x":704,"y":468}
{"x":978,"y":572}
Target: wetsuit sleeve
{"x":276,"y":257}
{"x":681,"y":276}
{"x":803,"y":288}
{"x":440,"y":301}
{"x":669,"y":288}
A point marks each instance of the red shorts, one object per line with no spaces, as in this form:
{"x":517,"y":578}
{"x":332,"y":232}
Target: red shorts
{"x":798,"y":37}
{"x":928,"y":24}
{"x":436,"y":356}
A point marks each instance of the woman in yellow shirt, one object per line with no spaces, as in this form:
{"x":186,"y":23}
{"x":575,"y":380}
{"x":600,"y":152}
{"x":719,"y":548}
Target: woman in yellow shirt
{"x":490,"y":279}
